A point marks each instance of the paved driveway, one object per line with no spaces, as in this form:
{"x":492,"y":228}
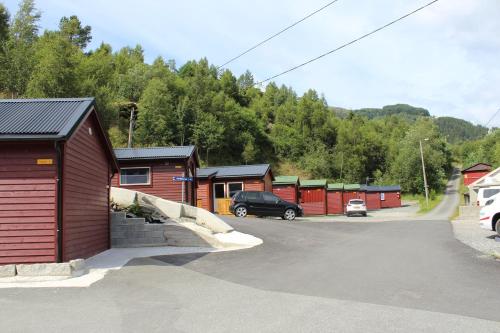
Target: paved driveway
{"x":406,"y":276}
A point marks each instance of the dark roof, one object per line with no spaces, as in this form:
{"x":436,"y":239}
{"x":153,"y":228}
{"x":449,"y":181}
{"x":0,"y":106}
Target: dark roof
{"x":256,"y":170}
{"x":375,"y":188}
{"x":478,"y":167}
{"x":313,"y":183}
{"x":151,"y":153}
{"x":41,"y":118}
{"x":286,"y":180}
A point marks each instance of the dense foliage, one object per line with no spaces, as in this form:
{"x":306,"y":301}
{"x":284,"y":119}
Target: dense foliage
{"x":226,"y":117}
{"x":459,"y":130}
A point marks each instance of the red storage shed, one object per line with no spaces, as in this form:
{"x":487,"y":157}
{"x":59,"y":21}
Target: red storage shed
{"x":372,"y":195}
{"x":353,"y":191}
{"x":313,"y":196}
{"x":216,"y":185}
{"x":390,"y":196}
{"x":335,"y":200}
{"x":287,"y":188}
{"x":475,"y":172}
{"x":56,"y":164}
{"x":165,"y":172}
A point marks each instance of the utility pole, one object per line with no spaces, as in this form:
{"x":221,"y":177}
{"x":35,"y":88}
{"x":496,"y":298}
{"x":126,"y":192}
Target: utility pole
{"x":131,"y":126}
{"x":425,"y":177}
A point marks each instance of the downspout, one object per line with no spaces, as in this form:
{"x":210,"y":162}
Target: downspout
{"x":59,"y":152}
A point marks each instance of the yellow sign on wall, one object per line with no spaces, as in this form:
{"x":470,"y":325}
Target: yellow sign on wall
{"x":44,"y":161}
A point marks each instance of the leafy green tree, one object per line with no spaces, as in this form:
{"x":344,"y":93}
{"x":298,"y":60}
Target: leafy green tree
{"x":54,"y":74}
{"x":4,"y":24}
{"x":72,"y":29}
{"x":207,"y":133}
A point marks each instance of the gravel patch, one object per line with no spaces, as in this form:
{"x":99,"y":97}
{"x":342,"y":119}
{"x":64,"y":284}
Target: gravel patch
{"x":470,"y":233}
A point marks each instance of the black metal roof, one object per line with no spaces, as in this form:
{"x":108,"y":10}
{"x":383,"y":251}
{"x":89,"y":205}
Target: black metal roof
{"x":48,"y":118}
{"x":154,"y":153}
{"x":256,"y":170}
{"x":478,"y":167}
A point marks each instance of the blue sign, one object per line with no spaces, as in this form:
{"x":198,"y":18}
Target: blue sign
{"x":182,"y":179}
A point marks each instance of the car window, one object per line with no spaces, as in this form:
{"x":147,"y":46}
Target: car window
{"x":270,"y":198}
{"x":252,"y":196}
{"x":357,"y":202}
{"x":491,"y":192}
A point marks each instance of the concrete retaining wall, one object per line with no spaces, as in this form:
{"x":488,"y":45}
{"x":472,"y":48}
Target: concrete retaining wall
{"x":174,"y":210}
{"x":70,"y":269}
{"x":469,"y":213}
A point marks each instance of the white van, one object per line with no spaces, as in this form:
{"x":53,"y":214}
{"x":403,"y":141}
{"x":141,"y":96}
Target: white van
{"x":486,"y":193}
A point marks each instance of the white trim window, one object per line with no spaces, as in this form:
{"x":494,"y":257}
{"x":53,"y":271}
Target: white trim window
{"x":234,"y":187}
{"x":135,"y":176}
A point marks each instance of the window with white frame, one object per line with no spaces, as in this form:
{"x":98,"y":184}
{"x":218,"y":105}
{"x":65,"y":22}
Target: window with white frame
{"x":135,"y":176}
{"x":232,"y":188}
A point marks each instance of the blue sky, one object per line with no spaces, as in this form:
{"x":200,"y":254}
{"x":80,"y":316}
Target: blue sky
{"x":445,"y":58}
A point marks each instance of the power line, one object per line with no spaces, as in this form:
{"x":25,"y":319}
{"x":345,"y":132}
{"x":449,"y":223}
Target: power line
{"x":276,"y":34}
{"x":347,"y":44}
{"x":493,"y":117}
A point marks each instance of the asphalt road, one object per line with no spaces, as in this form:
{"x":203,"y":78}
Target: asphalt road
{"x":402,"y":276}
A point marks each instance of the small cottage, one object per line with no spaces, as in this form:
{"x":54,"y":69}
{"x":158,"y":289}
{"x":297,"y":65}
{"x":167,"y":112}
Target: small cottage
{"x":165,"y":172}
{"x":56,"y":164}
{"x":353,"y":191}
{"x":335,"y":200}
{"x":475,"y":172}
{"x":216,"y":185}
{"x":287,"y":188}
{"x":313,"y":196}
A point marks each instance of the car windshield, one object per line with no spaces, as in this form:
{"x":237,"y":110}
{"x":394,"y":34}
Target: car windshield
{"x":356,"y":202}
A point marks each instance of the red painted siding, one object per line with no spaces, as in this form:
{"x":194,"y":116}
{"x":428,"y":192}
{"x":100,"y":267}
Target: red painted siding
{"x":86,"y":173}
{"x":313,"y":200}
{"x":162,"y":183}
{"x":392,"y":199}
{"x":286,"y":192}
{"x":373,"y":200}
{"x":335,"y":203}
{"x":471,"y":177}
{"x":27,"y":203}
{"x":252,"y":184}
{"x":204,"y":194}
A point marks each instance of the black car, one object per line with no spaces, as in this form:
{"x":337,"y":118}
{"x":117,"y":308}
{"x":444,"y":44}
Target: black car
{"x":263,"y":204}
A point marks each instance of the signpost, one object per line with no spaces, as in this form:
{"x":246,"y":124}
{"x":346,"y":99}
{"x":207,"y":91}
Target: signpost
{"x":182,"y":179}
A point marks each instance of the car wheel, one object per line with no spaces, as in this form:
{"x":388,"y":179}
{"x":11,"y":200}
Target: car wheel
{"x":290,"y":214}
{"x":241,"y":211}
{"x":364,"y":214}
{"x":497,"y":227}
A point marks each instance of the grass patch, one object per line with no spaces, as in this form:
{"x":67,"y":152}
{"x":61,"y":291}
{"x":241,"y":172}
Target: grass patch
{"x":434,"y":200}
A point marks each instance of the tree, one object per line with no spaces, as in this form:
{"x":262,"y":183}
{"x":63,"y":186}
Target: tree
{"x":207,"y":133}
{"x":19,"y":49}
{"x":71,"y":28}
{"x":55,"y":74}
{"x":4,"y":24}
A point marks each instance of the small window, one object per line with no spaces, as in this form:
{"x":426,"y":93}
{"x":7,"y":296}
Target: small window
{"x":135,"y":176}
{"x":382,"y":196}
{"x":356,"y":202}
{"x":270,"y":198}
{"x":233,"y":188}
{"x":219,"y":191}
{"x":491,"y":192}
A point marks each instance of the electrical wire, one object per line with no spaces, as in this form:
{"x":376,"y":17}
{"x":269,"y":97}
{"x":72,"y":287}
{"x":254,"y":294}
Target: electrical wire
{"x":493,"y":117}
{"x":277,"y":34}
{"x":347,"y":44}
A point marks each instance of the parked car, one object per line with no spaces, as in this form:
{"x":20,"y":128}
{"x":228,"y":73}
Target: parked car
{"x":489,"y":216}
{"x":486,"y":193}
{"x":263,"y":204}
{"x":356,"y":207}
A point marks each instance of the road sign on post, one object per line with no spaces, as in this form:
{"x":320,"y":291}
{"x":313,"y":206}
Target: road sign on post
{"x":182,"y":179}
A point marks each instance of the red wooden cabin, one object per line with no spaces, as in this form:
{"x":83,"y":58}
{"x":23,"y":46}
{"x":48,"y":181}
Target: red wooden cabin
{"x":475,"y":172}
{"x":353,"y":191}
{"x":216,"y":185}
{"x":313,"y":196}
{"x":56,"y":164}
{"x":372,"y":195}
{"x":390,"y":196}
{"x":335,"y":200}
{"x":165,"y":172}
{"x":287,"y":188}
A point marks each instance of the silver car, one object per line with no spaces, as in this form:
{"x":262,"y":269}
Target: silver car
{"x":356,"y":207}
